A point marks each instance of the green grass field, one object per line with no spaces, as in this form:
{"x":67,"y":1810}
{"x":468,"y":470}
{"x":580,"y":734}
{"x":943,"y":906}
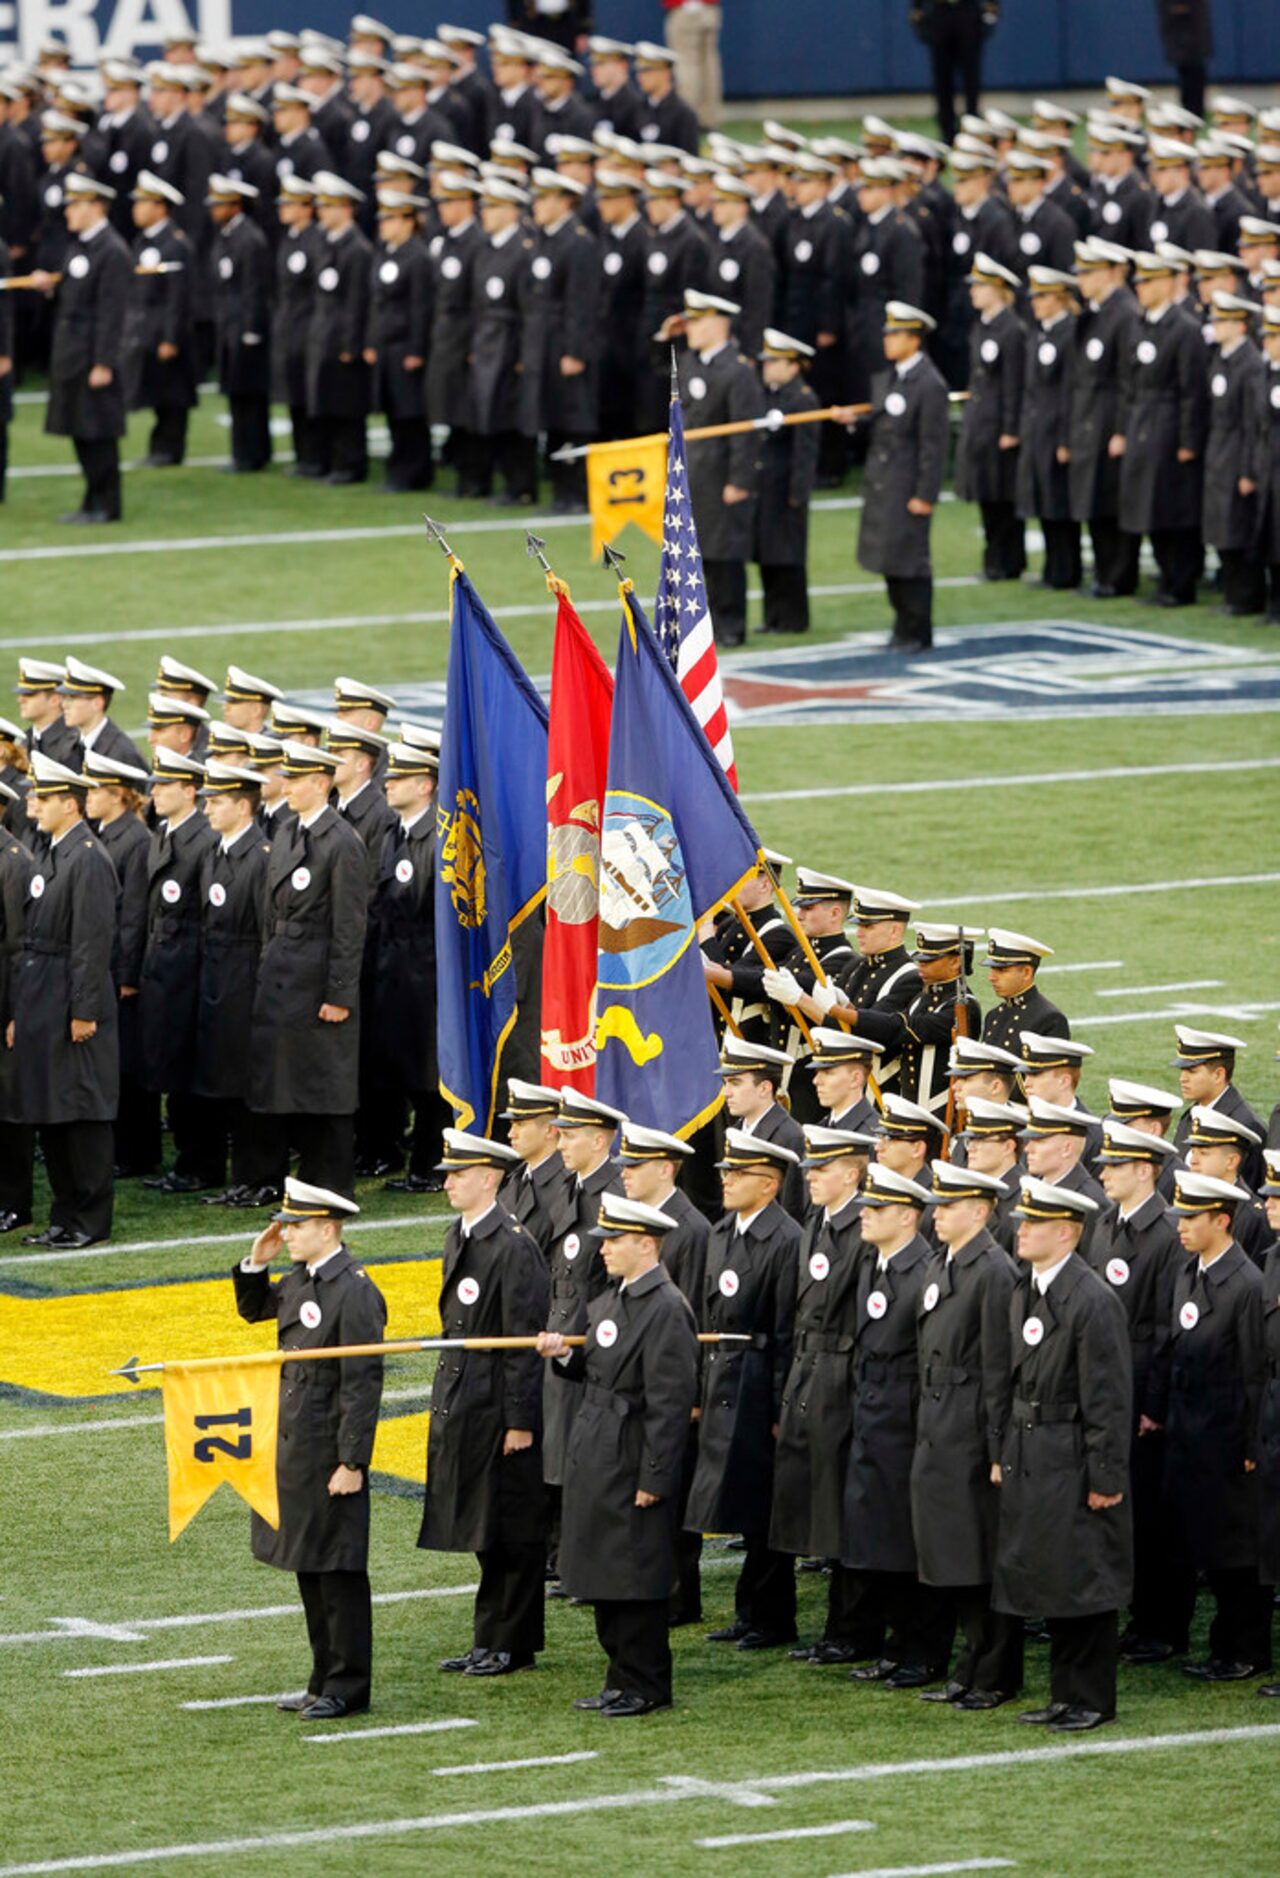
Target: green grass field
{"x":105,"y":1771}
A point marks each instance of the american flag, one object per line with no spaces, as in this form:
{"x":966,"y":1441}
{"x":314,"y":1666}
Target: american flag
{"x":681,"y":616}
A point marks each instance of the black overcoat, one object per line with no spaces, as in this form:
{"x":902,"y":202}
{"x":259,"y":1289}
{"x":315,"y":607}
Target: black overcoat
{"x":911,"y":429}
{"x":169,"y":990}
{"x":577,"y":1276}
{"x":68,"y":938}
{"x":886,"y":1394}
{"x":89,"y":315}
{"x":231,"y":900}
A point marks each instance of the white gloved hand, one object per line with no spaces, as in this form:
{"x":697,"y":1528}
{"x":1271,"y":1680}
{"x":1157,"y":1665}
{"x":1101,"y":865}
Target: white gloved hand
{"x":828,"y":996}
{"x":781,"y":987}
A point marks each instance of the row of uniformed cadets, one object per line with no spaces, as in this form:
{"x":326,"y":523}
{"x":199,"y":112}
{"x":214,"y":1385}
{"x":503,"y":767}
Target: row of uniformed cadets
{"x":267,"y":937}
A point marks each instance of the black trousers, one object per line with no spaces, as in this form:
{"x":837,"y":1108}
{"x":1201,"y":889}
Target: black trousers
{"x":727,"y":599}
{"x":786,"y":598}
{"x":1115,"y":555}
{"x":1179,"y":555}
{"x":1164,"y":1581}
{"x":305,"y":448}
{"x":1244,"y":581}
{"x":17,"y":1159}
{"x":1240,"y":1631}
{"x":1062,"y":565}
{"x":686,"y":1603}
{"x":912,"y":603}
{"x":326,"y":1147}
{"x":339,"y":1611}
{"x":250,"y":431}
{"x":470,"y":457}
{"x":568,"y":480}
{"x":633,"y":1635}
{"x":4,"y":456}
{"x":99,"y":459}
{"x":510,"y":1606}
{"x":341,"y":446}
{"x":409,"y":461}
{"x":920,"y":1619}
{"x":765,"y":1595}
{"x":431,"y":1116}
{"x":201,"y":1128}
{"x":1004,"y":553}
{"x":137,"y":1127}
{"x":507,"y":455}
{"x":169,"y":433}
{"x":856,"y":1615}
{"x":1083,"y":1652}
{"x":990,"y":1653}
{"x":78,"y":1161}
{"x":259,"y":1149}
{"x":1273,"y":603}
{"x":956,"y":55}
{"x":1191,"y":84}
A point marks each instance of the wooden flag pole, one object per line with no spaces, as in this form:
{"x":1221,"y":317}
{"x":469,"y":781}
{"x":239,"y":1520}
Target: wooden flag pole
{"x":406,"y":1346}
{"x":772,"y":420}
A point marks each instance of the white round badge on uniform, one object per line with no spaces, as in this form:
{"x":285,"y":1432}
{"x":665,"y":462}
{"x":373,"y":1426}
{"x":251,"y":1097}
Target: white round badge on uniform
{"x":171,"y":892}
{"x":359,"y":132}
{"x":895,"y":404}
{"x":729,"y":270}
{"x":541,"y":269}
{"x":930,"y":1297}
{"x":1275,"y":397}
{"x":1033,"y":1332}
{"x":217,"y":894}
{"x":1117,"y":1272}
{"x":657,"y":263}
{"x":1159,"y":231}
{"x":1094,"y":350}
{"x":1112,"y":213}
{"x":404,"y":871}
{"x":404,"y":146}
{"x":434,"y":246}
{"x":284,"y":167}
{"x":310,"y":1314}
{"x":606,"y":1333}
{"x":159,"y":151}
{"x":300,"y":879}
{"x":989,"y":351}
{"x":1189,"y":1315}
{"x":1218,"y":384}
{"x":37,"y":886}
{"x":118,"y":162}
{"x":961,"y":242}
{"x":53,"y":196}
{"x":803,"y":251}
{"x":729,"y":1283}
{"x":877,"y":1304}
{"x":451,"y":267}
{"x":468,"y":1291}
{"x":613,"y":263}
{"x":572,"y":1246}
{"x":697,"y":387}
{"x":1029,"y":242}
{"x":297,"y":262}
{"x":328,"y":279}
{"x":389,"y":271}
{"x":150,"y":257}
{"x":1048,"y":352}
{"x":819,"y":1266}
{"x":870,"y":263}
{"x":78,"y":266}
{"x":1146,"y":352}
{"x":495,"y":287}
{"x":226,"y":267}
{"x":649,"y":133}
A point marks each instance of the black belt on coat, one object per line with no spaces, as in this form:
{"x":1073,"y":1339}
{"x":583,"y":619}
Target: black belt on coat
{"x":298,"y":928}
{"x":619,"y":1405}
{"x":883,"y":1368}
{"x":1042,"y":1412}
{"x":47,"y":951}
{"x":939,"y":1376}
{"x":828,"y":1342}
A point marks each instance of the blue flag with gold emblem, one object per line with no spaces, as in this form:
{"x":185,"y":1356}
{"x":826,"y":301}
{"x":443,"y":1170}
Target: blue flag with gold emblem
{"x":674,"y":843}
{"x":491,"y":857}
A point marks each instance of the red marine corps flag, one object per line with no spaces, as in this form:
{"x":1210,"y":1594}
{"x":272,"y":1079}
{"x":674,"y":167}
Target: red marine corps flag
{"x":577,"y":764}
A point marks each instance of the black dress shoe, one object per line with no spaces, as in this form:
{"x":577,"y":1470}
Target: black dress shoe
{"x":1216,"y":1670}
{"x":878,"y":1671}
{"x":678,"y":1619}
{"x":1078,"y":1721}
{"x":58,"y":1237}
{"x":834,"y":1653}
{"x":1144,"y":1650}
{"x":950,"y":1692}
{"x":343,"y":479}
{"x":458,"y":1665}
{"x":374,"y":1166}
{"x":980,"y":1699}
{"x":625,"y":1706}
{"x":253,"y":1196}
{"x":331,"y":1708}
{"x":1271,"y":1689}
{"x":1042,"y":1717}
{"x":556,"y":1590}
{"x":9,"y":1222}
{"x":227,"y":1197}
{"x":1101,"y":591}
{"x":294,"y":1704}
{"x":415,"y":1183}
{"x":160,"y":460}
{"x":497,"y":1663}
{"x":914,"y":1676}
{"x":730,"y":1633}
{"x":593,"y":1703}
{"x":173,"y":1182}
{"x":763,"y":1640}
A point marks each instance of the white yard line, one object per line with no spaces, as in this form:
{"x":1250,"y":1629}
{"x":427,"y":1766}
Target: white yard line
{"x":511,"y":1767}
{"x":1110,"y":892}
{"x":832,"y":1831}
{"x":1084,"y":965}
{"x":931,"y":1871}
{"x":1172,"y":1013}
{"x":662,"y":1795}
{"x":137,"y":1629}
{"x":1017,"y":779}
{"x":239,"y":1701}
{"x":208,"y":1238}
{"x":402,"y":1728}
{"x":108,"y":1424}
{"x":144,"y":1669}
{"x":1147,"y":991}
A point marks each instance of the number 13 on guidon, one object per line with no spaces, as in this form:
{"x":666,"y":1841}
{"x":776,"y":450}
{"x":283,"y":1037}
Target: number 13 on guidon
{"x":220,"y":1424}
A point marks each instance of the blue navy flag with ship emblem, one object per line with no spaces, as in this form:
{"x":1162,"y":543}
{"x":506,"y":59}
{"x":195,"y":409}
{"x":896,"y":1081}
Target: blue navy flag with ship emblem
{"x":674,"y":844}
{"x":491,"y":855}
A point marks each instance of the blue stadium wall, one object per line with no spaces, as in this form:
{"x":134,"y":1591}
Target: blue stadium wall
{"x":772,"y":48}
